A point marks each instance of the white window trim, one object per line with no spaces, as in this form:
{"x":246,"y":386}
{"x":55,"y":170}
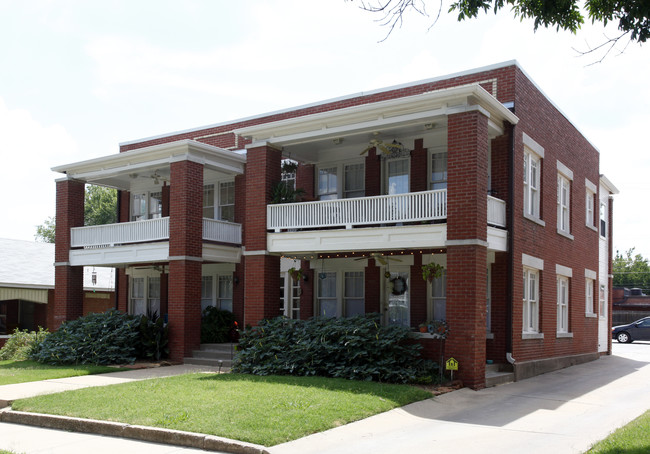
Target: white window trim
{"x":434,"y":151}
{"x":590,"y":289}
{"x":534,"y":331}
{"x":602,"y":208}
{"x":216,"y":188}
{"x":563,"y":302}
{"x":340,"y":289}
{"x":564,"y":182}
{"x":535,"y":216}
{"x":340,"y":175}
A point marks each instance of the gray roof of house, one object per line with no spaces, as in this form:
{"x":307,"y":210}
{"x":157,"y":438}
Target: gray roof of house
{"x":29,"y":264}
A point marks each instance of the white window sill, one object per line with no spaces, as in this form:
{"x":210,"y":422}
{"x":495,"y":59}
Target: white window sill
{"x":565,"y":234}
{"x":588,"y":315}
{"x":534,"y":219}
{"x":564,"y":335}
{"x":592,"y":227}
{"x":525,"y":336}
{"x":489,"y":335}
{"x":419,"y":335}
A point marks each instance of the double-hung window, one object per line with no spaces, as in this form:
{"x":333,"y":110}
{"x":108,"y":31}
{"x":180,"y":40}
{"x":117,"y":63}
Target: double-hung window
{"x":531,"y":301}
{"x":603,"y":220}
{"x":328,"y":183}
{"x":590,"y":204}
{"x":145,"y":296}
{"x":216,"y":291}
{"x":589,"y":296}
{"x":563,"y":204}
{"x":562,"y":304}
{"x":219,"y":203}
{"x":438,"y":171}
{"x":532,"y":167}
{"x":438,"y":309}
{"x":354,"y":184}
{"x":341,"y":293}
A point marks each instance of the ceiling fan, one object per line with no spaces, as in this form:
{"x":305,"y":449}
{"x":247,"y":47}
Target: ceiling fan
{"x":381,"y":258}
{"x":386,"y":148}
{"x":155,"y":176}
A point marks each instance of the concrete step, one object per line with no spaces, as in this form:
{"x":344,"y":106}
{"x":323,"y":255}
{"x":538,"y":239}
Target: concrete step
{"x":224,"y":364}
{"x":211,"y":354}
{"x":498,"y":374}
{"x":226,"y":348}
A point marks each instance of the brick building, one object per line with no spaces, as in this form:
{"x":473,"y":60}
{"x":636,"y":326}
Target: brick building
{"x":393,"y":179}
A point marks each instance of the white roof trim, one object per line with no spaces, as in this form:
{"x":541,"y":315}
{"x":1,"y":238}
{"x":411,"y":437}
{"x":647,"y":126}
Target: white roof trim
{"x":156,"y":155}
{"x":377,"y":114}
{"x":608,"y":184}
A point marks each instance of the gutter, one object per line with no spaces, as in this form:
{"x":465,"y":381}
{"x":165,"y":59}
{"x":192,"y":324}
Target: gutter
{"x":511,"y":254}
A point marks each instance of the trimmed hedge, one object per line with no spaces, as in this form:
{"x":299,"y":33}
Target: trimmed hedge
{"x":356,"y":348}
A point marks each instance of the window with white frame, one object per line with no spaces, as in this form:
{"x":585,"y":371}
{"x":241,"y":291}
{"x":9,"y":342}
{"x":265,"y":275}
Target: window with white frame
{"x":328,"y":183}
{"x":216,"y":291}
{"x":227,"y":201}
{"x":139,"y":206}
{"x":562,"y":304}
{"x":341,"y":293}
{"x":602,"y":301}
{"x":532,"y":170}
{"x":145,"y":296}
{"x":531,"y":301}
{"x":208,"y":201}
{"x":603,"y":220}
{"x":397,"y":176}
{"x":354,"y":184}
{"x":438,"y":297}
{"x":438,"y":177}
{"x":590,"y":203}
{"x":155,"y":205}
{"x":290,"y":296}
{"x":589,"y":296}
{"x":563,"y":204}
{"x":288,"y":176}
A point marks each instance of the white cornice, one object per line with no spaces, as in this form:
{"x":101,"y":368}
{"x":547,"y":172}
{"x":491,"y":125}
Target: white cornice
{"x":375,"y":115}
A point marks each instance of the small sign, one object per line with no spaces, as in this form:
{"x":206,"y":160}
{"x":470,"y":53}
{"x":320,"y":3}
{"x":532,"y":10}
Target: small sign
{"x":452,"y":364}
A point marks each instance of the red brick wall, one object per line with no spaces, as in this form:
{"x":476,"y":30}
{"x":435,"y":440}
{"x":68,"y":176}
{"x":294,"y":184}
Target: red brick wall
{"x":373,"y":173}
{"x":419,"y":177}
{"x":372,"y":285}
{"x":98,"y":302}
{"x":418,"y":293}
{"x":262,"y":289}
{"x":561,"y":140}
{"x":305,"y":180}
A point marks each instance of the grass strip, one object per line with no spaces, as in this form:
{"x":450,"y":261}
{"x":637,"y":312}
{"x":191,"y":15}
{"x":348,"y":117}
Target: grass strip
{"x":633,"y":438}
{"x":12,"y":372}
{"x":263,"y":410}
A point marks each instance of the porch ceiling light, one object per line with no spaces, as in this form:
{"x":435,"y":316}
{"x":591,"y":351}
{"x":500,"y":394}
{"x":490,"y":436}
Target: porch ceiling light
{"x":338,"y":141}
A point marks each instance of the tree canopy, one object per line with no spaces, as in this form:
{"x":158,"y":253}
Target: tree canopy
{"x":633,"y":16}
{"x":632,"y":271}
{"x":100,"y":207}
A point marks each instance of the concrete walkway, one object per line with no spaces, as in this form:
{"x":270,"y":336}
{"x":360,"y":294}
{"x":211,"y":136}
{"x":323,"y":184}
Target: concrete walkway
{"x":561,"y":412}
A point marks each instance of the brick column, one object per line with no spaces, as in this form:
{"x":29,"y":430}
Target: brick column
{"x":419,"y":177}
{"x":305,"y":180}
{"x":467,"y":244}
{"x":373,"y":173}
{"x":262,"y":271}
{"x":185,"y":258}
{"x":68,"y":290}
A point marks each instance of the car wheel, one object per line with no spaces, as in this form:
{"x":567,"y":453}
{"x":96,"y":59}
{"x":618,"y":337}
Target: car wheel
{"x":623,"y":338}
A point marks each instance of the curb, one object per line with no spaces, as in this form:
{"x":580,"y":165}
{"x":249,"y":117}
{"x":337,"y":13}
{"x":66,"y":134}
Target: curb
{"x":123,"y":430}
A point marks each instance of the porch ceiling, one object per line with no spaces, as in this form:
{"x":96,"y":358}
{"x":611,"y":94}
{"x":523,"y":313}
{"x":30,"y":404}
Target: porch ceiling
{"x":151,"y":165}
{"x":411,"y":116}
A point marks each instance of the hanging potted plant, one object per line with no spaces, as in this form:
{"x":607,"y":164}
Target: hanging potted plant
{"x":431,"y":271}
{"x":296,"y":274}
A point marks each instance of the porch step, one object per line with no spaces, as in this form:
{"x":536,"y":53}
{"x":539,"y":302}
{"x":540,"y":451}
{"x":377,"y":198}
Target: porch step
{"x":213,"y":355}
{"x":498,"y":374}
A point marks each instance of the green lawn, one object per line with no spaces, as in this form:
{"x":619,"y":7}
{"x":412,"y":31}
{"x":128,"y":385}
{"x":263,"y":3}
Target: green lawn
{"x":262,"y":410}
{"x":24,"y":371}
{"x":634,"y":438}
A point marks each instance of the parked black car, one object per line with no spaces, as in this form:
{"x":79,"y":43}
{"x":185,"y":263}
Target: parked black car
{"x":636,"y":331}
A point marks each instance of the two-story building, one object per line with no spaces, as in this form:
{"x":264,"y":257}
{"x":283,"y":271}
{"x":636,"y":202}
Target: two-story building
{"x":478,"y":172}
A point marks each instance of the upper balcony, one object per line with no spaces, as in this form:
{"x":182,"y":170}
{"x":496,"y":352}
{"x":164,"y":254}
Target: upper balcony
{"x":406,"y":220}
{"x":146,"y":175}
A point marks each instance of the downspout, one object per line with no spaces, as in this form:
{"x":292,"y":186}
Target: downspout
{"x":511,"y":254}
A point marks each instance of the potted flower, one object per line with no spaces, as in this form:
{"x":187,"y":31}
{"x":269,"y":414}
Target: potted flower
{"x":296,"y":274}
{"x":431,"y":271}
{"x":424,"y":327}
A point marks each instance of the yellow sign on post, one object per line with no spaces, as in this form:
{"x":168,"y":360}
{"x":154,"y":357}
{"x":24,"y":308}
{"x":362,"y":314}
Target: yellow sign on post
{"x":452,"y":364}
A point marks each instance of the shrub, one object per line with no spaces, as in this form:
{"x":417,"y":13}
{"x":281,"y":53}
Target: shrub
{"x":108,"y":338}
{"x":354,"y":348}
{"x":21,"y":344}
{"x":153,"y":338}
{"x":216,"y":325}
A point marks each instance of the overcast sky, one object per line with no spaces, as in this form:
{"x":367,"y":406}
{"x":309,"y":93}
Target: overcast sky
{"x":78,"y":77}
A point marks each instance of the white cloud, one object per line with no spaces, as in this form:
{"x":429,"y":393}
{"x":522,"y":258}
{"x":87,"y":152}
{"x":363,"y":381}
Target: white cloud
{"x":28,"y":150}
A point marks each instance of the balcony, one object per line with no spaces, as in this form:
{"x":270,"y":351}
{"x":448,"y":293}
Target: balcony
{"x":368,"y":211}
{"x":371,"y":223}
{"x":148,"y":241}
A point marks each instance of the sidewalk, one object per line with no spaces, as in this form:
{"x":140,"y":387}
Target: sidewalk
{"x":561,"y":412}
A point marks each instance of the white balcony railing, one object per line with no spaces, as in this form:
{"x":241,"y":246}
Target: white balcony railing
{"x":221,"y":231}
{"x":121,"y":233}
{"x":496,"y":214}
{"x":389,"y":209}
{"x":148,"y":231}
{"x":385,"y":209}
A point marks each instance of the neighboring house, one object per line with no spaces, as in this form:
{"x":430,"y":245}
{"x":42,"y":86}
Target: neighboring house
{"x":27,"y":286}
{"x":478,"y":172}
{"x":629,"y":305}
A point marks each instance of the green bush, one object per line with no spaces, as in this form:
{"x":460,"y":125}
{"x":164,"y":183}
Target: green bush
{"x":154,"y":338}
{"x":216,"y":325}
{"x":99,"y":339}
{"x":21,"y":344}
{"x":356,"y":348}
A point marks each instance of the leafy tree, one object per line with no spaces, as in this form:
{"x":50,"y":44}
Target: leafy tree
{"x":100,"y":207}
{"x":631,"y":271}
{"x":633,"y":16}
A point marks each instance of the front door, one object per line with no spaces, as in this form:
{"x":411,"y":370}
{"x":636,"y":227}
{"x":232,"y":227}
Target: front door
{"x":396,"y":297}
